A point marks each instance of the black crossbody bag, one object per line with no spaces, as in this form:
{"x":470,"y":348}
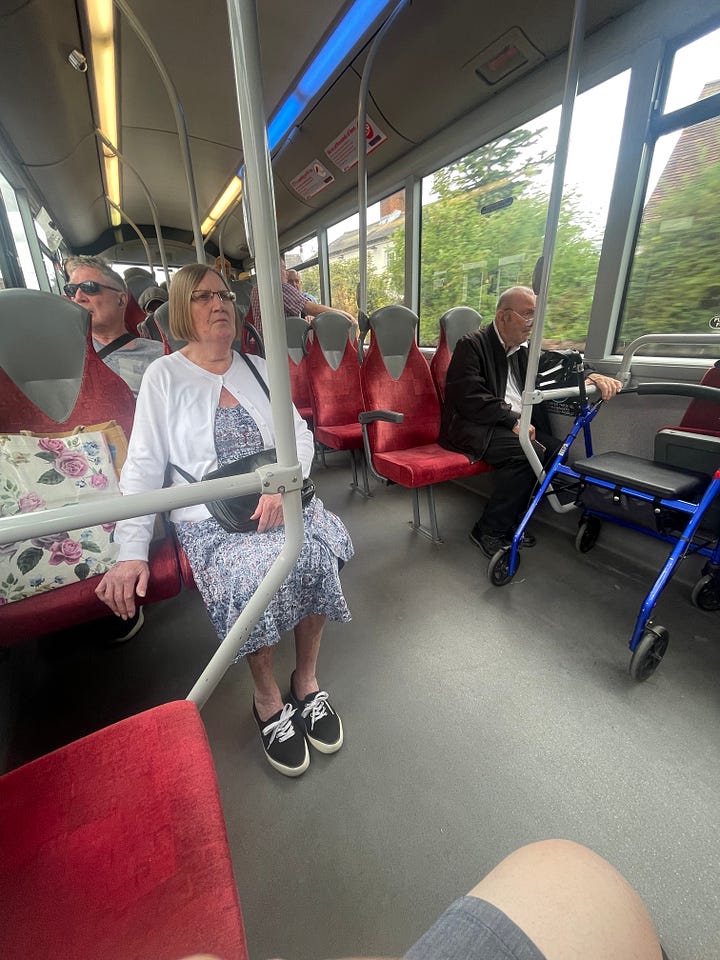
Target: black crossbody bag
{"x":234,"y":514}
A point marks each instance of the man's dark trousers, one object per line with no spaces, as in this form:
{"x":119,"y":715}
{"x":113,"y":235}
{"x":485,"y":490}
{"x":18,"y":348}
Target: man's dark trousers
{"x":513,"y":477}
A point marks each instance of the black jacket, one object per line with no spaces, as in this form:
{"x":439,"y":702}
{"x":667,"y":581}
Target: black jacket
{"x":474,"y":394}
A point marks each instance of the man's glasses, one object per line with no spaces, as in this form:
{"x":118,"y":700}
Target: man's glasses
{"x":205,"y":296}
{"x":527,"y":317}
{"x":90,"y":287}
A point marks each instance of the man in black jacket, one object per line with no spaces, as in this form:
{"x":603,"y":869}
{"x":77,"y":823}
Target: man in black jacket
{"x":481,"y":414}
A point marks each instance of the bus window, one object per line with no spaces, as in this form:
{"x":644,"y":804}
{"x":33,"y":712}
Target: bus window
{"x":296,"y":258}
{"x":483,"y":217}
{"x":385,"y":256}
{"x":674,"y":285}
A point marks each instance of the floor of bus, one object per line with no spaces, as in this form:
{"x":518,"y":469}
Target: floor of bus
{"x":476,"y":719}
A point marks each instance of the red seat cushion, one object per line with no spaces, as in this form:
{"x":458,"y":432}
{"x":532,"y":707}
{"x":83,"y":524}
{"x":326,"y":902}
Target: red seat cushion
{"x":346,"y":436}
{"x":115,"y":847}
{"x":421,"y":466}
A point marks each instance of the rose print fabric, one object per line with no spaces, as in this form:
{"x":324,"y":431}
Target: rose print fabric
{"x":38,"y":474}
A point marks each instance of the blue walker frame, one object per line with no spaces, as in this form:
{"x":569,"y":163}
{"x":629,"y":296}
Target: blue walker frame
{"x":649,"y":641}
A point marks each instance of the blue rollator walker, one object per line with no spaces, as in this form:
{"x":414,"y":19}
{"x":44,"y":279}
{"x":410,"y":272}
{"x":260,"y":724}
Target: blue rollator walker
{"x":678,"y":504}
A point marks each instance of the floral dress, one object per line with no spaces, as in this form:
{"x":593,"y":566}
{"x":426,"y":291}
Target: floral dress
{"x":229,"y":566}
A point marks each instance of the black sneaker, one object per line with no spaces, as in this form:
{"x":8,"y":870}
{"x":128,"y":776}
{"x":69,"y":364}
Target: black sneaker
{"x":323,"y":727}
{"x":486,"y":542}
{"x":116,"y":630}
{"x":283,"y":741}
{"x":528,"y":539}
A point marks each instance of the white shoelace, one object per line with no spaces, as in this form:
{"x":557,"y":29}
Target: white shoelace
{"x":317,"y":708}
{"x":282,"y":728}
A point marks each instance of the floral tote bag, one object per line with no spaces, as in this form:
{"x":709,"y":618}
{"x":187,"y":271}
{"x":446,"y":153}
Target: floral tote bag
{"x":41,"y":473}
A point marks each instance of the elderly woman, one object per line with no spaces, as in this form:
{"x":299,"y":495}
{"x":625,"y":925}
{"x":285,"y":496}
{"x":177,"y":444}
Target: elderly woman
{"x":200,"y":408}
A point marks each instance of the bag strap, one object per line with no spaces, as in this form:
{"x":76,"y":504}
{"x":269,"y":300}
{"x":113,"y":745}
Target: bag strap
{"x":115,"y":345}
{"x":183,"y":473}
{"x":256,"y":374}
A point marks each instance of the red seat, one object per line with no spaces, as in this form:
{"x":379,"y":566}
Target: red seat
{"x":454,"y":324}
{"x":70,"y":387}
{"x":402,"y":422}
{"x":115,"y":847}
{"x":134,"y":315}
{"x":703,"y":416}
{"x":333,"y":372}
{"x":295,"y":329}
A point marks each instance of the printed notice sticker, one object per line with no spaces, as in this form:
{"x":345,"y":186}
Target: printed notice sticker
{"x":314,"y":178}
{"x":343,"y":150}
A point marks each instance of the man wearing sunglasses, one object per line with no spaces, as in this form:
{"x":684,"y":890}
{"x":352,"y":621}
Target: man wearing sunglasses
{"x":481,"y":414}
{"x":104,"y":294}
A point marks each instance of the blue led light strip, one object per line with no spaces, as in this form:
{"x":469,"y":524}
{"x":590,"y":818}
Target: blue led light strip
{"x":325,"y":63}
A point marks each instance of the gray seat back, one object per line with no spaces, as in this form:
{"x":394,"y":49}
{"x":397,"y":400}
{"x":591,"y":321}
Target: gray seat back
{"x":43,"y":342}
{"x":457,"y":323}
{"x":394,"y":329}
{"x":333,"y":331}
{"x":162,"y":319}
{"x":295,"y":330}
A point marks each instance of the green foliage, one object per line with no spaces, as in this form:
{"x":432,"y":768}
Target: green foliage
{"x":675,"y":283}
{"x":344,"y":280}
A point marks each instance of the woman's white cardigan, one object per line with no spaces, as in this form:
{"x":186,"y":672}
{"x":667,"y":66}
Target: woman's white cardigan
{"x":174,"y":423}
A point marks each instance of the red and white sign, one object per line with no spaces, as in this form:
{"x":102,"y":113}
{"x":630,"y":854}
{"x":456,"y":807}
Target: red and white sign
{"x":343,"y":150}
{"x":314,"y":178}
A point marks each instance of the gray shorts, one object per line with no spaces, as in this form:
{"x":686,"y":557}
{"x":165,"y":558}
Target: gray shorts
{"x":473,"y":929}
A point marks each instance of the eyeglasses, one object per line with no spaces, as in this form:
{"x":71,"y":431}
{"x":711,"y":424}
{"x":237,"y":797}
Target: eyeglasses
{"x":528,"y":317}
{"x":205,"y":296}
{"x":90,"y":287}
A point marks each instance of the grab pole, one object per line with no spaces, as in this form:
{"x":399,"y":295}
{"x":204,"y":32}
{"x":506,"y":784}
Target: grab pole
{"x":553,"y":217}
{"x":148,"y":196}
{"x":362,"y":160}
{"x":261,"y":202}
{"x":137,"y":230}
{"x":180,"y":123}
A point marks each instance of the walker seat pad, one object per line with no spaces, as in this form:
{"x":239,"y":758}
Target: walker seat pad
{"x":646,"y":476}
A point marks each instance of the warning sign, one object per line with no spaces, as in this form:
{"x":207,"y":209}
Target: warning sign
{"x":314,"y":178}
{"x":343,"y":150}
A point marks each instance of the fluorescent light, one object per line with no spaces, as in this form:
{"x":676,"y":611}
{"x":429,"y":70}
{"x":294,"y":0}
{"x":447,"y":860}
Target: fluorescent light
{"x":338,"y":45}
{"x":229,"y":196}
{"x":102,"y":42}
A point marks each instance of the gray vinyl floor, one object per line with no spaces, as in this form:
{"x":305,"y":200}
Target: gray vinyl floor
{"x":477,"y":719}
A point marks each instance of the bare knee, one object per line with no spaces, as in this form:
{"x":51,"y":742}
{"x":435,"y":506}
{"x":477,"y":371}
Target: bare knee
{"x":571,"y":902}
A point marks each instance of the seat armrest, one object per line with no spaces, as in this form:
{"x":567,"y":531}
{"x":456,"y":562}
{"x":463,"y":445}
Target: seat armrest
{"x":388,"y":416}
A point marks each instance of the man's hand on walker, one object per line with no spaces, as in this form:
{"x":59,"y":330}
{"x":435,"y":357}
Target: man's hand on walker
{"x":607,"y":386}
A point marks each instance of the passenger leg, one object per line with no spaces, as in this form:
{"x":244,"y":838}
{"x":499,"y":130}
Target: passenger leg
{"x":323,"y":726}
{"x":571,"y":903}
{"x":280,"y":728}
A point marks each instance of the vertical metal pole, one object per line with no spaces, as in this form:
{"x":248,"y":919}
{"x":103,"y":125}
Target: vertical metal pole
{"x":553,"y":217}
{"x":148,"y":196}
{"x":137,"y":230}
{"x":362,"y":158}
{"x":179,"y":122}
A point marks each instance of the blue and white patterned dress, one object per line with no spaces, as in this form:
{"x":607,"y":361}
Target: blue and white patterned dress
{"x":228,"y":566}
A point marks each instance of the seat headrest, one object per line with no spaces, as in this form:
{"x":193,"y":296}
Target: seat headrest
{"x":162,"y":319}
{"x":458,"y":322}
{"x":43,"y":342}
{"x":393,"y":331}
{"x":333,"y":331}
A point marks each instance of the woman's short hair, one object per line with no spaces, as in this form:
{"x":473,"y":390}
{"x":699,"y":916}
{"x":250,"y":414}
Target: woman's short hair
{"x":95,"y":263}
{"x":182,"y":285}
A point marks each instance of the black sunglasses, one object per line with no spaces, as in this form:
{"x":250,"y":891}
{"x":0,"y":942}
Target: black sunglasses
{"x":89,"y":287}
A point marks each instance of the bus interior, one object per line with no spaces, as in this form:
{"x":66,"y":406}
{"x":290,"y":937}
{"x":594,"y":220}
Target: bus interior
{"x":477,"y":719}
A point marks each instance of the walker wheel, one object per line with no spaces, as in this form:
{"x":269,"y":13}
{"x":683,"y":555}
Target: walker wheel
{"x":648,"y":653}
{"x":706,"y":594}
{"x":498,"y":570}
{"x":588,"y":532}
